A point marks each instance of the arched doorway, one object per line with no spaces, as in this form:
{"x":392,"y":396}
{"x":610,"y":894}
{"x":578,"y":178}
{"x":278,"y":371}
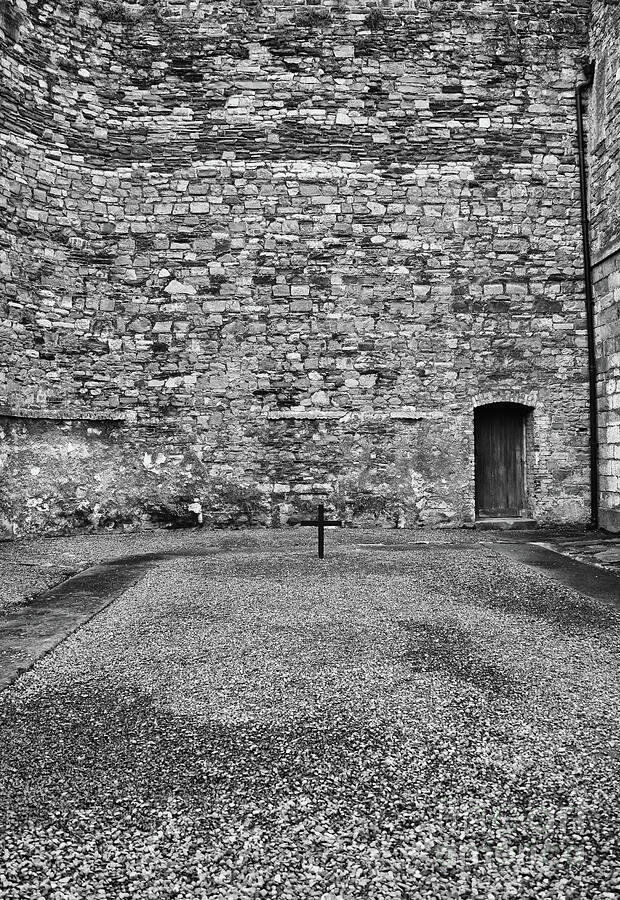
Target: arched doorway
{"x":500,"y":447}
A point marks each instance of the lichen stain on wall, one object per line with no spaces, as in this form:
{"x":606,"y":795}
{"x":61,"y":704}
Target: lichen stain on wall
{"x":60,"y":474}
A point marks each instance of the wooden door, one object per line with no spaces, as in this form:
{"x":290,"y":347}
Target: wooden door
{"x":499,"y":431}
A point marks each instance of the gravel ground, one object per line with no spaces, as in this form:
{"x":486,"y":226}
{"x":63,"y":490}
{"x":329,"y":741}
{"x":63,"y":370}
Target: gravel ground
{"x":30,"y":566}
{"x":435,"y":723}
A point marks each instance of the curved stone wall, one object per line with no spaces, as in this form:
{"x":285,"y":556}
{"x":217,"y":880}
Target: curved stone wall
{"x":284,"y":247}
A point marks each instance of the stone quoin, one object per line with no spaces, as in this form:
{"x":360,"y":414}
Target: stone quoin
{"x":255,"y":255}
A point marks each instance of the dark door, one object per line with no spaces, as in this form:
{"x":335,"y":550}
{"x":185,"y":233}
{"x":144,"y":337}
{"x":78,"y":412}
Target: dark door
{"x":499,"y":441}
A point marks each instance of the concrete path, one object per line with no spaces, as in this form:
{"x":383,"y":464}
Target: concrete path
{"x":31,"y":630}
{"x":558,"y":563}
{"x":402,"y":721}
{"x":598,"y":549}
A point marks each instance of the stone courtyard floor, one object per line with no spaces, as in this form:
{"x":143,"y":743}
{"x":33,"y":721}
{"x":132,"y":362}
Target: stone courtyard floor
{"x":416,"y":716}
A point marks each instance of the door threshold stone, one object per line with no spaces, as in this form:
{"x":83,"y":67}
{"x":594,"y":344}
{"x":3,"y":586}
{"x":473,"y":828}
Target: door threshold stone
{"x":516,"y":524}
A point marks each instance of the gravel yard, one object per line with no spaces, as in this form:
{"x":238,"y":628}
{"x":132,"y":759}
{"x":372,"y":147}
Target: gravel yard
{"x":423,"y":722}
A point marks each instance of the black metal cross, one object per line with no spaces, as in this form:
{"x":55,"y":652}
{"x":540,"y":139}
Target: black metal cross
{"x":321,"y":521}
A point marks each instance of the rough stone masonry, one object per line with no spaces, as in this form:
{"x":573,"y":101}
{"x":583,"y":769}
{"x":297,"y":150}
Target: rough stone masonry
{"x":255,"y":255}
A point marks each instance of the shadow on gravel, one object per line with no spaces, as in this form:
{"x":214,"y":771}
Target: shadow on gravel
{"x":89,"y":759}
{"x":227,"y":545}
{"x":90,"y":762}
{"x":161,"y":556}
{"x":449,"y":650}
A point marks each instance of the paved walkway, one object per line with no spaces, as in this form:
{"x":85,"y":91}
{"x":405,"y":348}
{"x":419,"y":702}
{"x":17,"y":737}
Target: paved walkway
{"x":404,"y":720}
{"x":599,"y":549}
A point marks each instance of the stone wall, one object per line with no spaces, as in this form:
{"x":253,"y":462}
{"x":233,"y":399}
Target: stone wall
{"x":604,"y":134}
{"x":290,"y":248}
{"x":60,"y":471}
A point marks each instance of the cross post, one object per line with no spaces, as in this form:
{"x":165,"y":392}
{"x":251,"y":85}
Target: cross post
{"x":321,"y":522}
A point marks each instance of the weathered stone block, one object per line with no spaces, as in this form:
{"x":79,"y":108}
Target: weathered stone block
{"x":177,"y":287}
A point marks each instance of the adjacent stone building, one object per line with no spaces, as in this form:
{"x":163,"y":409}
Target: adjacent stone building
{"x":254,"y":255}
{"x":605,"y":221}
